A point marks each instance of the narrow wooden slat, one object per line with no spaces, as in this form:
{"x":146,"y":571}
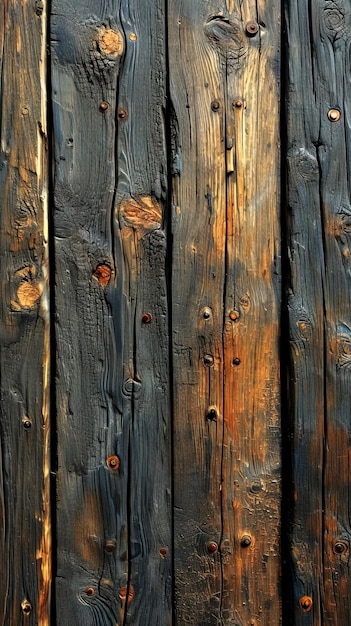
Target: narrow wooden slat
{"x":24,"y":328}
{"x":112,"y":342}
{"x":321,"y":135}
{"x":252,"y":466}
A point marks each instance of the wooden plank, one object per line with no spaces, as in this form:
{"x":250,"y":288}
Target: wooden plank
{"x":114,"y":543}
{"x":24,"y":328}
{"x":198,"y":228}
{"x":225,"y":250}
{"x":319,"y":132}
{"x":251,"y":464}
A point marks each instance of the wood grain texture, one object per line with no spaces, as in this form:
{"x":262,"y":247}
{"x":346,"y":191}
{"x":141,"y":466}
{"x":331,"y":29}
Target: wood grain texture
{"x":319,"y":306}
{"x":226,"y":306}
{"x":24,"y":327}
{"x":252,"y":464}
{"x":111,"y":301}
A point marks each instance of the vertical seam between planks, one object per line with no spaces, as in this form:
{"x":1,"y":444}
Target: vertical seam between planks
{"x":168,"y":272}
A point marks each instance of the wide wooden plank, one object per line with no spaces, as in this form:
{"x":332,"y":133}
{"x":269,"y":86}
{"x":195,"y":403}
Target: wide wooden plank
{"x":252,"y":463}
{"x":114,"y":543}
{"x":320,"y":133}
{"x":198,"y":228}
{"x":24,"y":327}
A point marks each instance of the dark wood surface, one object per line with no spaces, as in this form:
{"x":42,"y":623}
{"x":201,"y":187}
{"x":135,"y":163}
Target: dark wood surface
{"x":110,"y":183}
{"x":318,"y":227}
{"x":141,"y":174}
{"x":25,"y":562}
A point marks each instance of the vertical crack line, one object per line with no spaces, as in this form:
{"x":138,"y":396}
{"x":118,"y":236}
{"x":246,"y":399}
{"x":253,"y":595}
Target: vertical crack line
{"x":44,"y":554}
{"x":325,"y":370}
{"x":168,"y":271}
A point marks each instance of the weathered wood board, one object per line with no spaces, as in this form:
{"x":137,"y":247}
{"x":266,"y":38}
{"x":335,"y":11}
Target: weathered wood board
{"x":113,"y":418}
{"x":25,"y":531}
{"x":224,"y":70}
{"x":319,"y":298}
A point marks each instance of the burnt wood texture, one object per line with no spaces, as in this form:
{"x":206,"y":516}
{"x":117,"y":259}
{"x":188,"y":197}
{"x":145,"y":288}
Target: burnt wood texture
{"x":175,"y":313}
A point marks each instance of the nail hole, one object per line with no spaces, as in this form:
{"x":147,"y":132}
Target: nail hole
{"x":215,"y":105}
{"x":26,"y":423}
{"x":110,"y":546}
{"x":26,"y":607}
{"x":146,"y":318}
{"x":236,"y":361}
{"x":211,"y":413}
{"x":208,"y":360}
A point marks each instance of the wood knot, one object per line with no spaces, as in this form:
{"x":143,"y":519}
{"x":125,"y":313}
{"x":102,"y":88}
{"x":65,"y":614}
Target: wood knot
{"x":124,"y":591}
{"x":103,"y":274}
{"x":143,"y":214}
{"x":29,"y":289}
{"x":228,"y":37}
{"x":110,"y":41}
{"x":334,"y":18}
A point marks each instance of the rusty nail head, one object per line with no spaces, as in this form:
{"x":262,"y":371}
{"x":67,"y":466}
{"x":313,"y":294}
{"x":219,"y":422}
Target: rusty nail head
{"x":110,"y":546}
{"x":334,"y":115}
{"x":215,"y":105}
{"x":122,"y":114}
{"x":252,"y":28}
{"x":234,"y":315}
{"x":306,"y":603}
{"x":146,"y":318}
{"x":236,"y":361}
{"x":238,"y":104}
{"x":26,"y":607}
{"x":212,"y":547}
{"x":163,"y":552}
{"x":90,"y":591}
{"x":245,"y":541}
{"x":103,"y":106}
{"x":113,"y":462}
{"x":208,"y":360}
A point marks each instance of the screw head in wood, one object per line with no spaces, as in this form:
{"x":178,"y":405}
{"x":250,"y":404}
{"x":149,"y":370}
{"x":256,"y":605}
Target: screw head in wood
{"x":212,"y":547}
{"x":334,"y":115}
{"x":215,"y":105}
{"x":122,"y":114}
{"x":306,"y":603}
{"x":103,"y":106}
{"x":113,"y":462}
{"x":26,"y":607}
{"x":146,"y":318}
{"x":252,"y":28}
{"x":245,"y":541}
